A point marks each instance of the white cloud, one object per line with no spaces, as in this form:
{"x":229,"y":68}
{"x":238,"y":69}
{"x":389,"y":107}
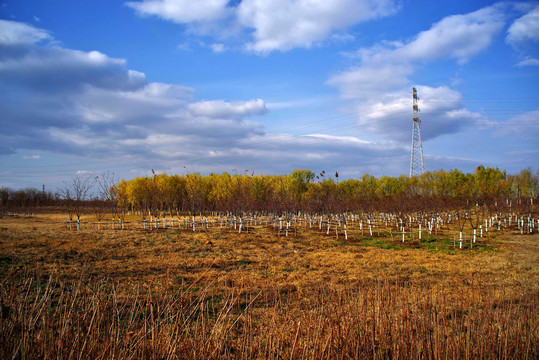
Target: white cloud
{"x":12,"y":32}
{"x":183,"y":11}
{"x":223,"y":109}
{"x":371,"y":80}
{"x":218,"y":48}
{"x":283,"y":25}
{"x":296,"y":103}
{"x":84,"y":172}
{"x":523,"y":36}
{"x":389,"y":64}
{"x":105,"y":112}
{"x":32,"y":157}
{"x":30,"y":57}
{"x":456,"y":36}
{"x":70,"y":101}
{"x":529,"y":62}
{"x":441,"y":112}
{"x":525,"y":28}
{"x":524,"y":126}
{"x":381,"y":83}
{"x":276,"y":25}
{"x":93,"y":114}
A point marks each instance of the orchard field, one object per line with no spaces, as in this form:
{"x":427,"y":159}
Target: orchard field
{"x":216,"y":292}
{"x":273,"y":267}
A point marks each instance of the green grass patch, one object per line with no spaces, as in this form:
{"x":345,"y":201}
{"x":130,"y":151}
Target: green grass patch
{"x":450,"y":246}
{"x":369,"y":241}
{"x":430,"y":244}
{"x":383,"y":244}
{"x":244,"y":262}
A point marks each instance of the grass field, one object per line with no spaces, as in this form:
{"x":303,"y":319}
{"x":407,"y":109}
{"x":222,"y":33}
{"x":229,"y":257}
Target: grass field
{"x":219,"y":294}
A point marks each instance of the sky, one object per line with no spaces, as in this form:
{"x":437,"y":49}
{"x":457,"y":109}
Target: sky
{"x":264,"y":87}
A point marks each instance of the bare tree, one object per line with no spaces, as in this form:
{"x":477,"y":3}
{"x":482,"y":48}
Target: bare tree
{"x":76,"y":191}
{"x":107,"y":190}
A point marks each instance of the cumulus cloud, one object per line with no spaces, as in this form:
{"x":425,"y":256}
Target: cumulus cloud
{"x":523,"y":36}
{"x":277,"y":25}
{"x":524,"y":29}
{"x":223,"y":109}
{"x":104,"y":111}
{"x":16,"y":33}
{"x":183,"y":11}
{"x":457,"y":36}
{"x":441,"y":109}
{"x":379,"y":82}
{"x":60,"y":99}
{"x":389,"y":64}
{"x":371,"y":80}
{"x":282,"y":24}
{"x":29,"y":58}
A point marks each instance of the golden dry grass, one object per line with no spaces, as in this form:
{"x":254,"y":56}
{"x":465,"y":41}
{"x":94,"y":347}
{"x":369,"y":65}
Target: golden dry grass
{"x":276,"y":283}
{"x":260,"y":258}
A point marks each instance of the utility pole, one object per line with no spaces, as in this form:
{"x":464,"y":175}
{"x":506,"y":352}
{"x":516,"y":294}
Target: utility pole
{"x":417,"y":167}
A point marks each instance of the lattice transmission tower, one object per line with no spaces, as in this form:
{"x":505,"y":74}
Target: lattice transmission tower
{"x":417,"y":167}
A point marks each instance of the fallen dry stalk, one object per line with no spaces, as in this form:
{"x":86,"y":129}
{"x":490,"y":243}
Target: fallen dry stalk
{"x":380,"y":319}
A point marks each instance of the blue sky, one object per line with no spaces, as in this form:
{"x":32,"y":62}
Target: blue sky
{"x":210,"y":86}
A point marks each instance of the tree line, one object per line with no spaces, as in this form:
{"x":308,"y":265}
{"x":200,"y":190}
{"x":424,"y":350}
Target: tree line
{"x":303,"y":190}
{"x":300,"y":190}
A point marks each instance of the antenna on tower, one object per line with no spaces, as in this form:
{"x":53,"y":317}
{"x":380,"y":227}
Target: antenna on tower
{"x":417,"y":167}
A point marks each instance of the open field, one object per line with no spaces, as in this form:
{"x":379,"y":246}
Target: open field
{"x":215,"y":293}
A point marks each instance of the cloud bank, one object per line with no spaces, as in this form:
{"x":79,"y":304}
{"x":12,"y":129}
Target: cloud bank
{"x":62,"y":101}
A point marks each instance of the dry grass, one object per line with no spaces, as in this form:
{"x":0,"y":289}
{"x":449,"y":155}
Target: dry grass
{"x":219,"y":294}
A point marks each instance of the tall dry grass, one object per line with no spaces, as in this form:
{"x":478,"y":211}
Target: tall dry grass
{"x":46,"y":317}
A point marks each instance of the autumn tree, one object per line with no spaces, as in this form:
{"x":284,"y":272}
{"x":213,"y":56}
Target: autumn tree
{"x":525,"y":184}
{"x":300,"y":180}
